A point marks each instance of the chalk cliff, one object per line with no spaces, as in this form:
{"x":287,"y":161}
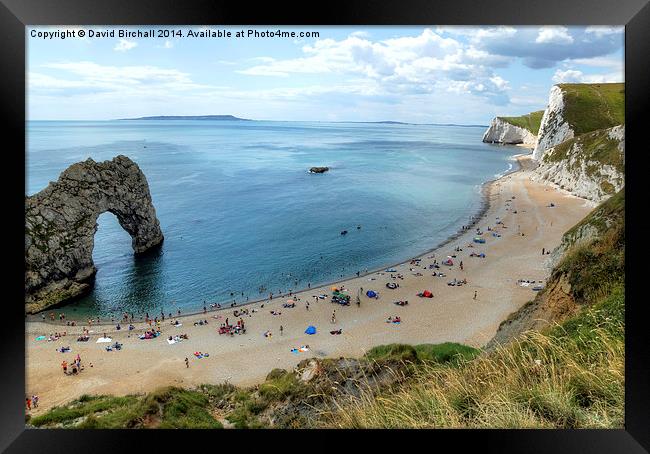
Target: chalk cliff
{"x":554,"y":128}
{"x":501,"y":131}
{"x":61,"y":221}
{"x":591,"y":166}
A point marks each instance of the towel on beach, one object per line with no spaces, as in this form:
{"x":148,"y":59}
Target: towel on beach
{"x":173,"y":341}
{"x":104,"y":340}
{"x":40,"y":338}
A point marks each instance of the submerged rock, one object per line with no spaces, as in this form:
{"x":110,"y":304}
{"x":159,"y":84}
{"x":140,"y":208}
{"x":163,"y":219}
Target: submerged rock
{"x":318,"y":169}
{"x":61,"y":221}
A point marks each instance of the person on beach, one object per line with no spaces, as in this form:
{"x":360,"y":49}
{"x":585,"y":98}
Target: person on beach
{"x":281,"y":330}
{"x":543,"y":250}
{"x":334,"y":316}
{"x":475,"y":294}
{"x":64,"y":365}
{"x":35,"y":401}
{"x":187,"y":363}
{"x":461,"y":265}
{"x":28,"y":402}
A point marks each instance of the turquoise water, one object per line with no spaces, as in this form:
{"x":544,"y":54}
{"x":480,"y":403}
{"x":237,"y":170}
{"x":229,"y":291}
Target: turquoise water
{"x":239,"y":210}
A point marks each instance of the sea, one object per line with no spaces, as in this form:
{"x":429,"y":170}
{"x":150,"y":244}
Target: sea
{"x":243,"y":217}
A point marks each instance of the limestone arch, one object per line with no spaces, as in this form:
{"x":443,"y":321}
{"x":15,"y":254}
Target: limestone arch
{"x":61,"y":222}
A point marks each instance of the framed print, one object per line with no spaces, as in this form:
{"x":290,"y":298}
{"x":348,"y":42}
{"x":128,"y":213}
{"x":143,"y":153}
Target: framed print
{"x":386,"y":216}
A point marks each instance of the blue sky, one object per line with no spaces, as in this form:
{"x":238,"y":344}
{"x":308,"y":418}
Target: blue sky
{"x":463,"y":75}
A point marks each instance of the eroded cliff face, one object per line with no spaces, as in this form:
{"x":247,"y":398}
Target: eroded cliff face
{"x":554,"y":129}
{"x":503,"y":132}
{"x":590,"y":166}
{"x":61,"y":221}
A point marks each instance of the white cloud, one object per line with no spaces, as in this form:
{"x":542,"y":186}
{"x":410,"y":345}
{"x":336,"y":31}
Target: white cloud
{"x":603,"y":62}
{"x":408,"y":64}
{"x":554,"y":35}
{"x":492,"y":33}
{"x":123,"y":45}
{"x":119,"y":80}
{"x":576,"y":76}
{"x":600,"y":31}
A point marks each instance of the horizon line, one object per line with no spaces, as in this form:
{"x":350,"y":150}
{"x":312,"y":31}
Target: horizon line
{"x":180,"y":117}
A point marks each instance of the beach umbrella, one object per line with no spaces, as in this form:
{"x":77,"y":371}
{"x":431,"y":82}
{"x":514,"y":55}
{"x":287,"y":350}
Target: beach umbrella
{"x":310,"y":330}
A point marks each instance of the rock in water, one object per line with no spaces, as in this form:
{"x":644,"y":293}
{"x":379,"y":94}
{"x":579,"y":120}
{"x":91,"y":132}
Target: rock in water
{"x":318,"y":169}
{"x":61,"y":221}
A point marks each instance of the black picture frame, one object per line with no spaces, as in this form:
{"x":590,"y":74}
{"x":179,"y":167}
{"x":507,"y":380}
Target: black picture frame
{"x":15,"y":15}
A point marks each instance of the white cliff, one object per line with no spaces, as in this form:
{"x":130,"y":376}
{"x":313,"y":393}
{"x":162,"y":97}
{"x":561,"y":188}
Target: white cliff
{"x":554,"y":129}
{"x":503,"y":132}
{"x":590,"y":166}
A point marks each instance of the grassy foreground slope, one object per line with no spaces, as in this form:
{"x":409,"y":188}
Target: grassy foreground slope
{"x":588,"y":107}
{"x":529,"y":121}
{"x":295,"y":399}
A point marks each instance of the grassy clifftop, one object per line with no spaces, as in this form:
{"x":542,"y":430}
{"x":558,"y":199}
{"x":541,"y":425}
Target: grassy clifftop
{"x":588,"y":107}
{"x":529,"y":121}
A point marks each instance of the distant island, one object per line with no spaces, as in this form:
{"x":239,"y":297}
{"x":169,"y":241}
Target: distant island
{"x":190,"y":117}
{"x":233,"y":118}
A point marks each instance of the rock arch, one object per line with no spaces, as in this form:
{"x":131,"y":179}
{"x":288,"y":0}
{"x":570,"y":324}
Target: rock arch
{"x":61,"y":221}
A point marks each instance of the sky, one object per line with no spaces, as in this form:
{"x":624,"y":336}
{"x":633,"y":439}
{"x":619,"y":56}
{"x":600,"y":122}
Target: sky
{"x":460,"y":75}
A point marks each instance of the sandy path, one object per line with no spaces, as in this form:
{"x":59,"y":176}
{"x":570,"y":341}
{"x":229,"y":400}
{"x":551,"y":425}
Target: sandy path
{"x":452,"y":315}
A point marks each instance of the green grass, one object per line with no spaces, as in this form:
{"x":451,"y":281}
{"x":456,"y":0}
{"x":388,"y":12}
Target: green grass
{"x":594,"y":269}
{"x":589,"y":107}
{"x":447,"y":352}
{"x":281,"y":386}
{"x":83,"y":406}
{"x":182,"y":409}
{"x":530,"y":121}
{"x":611,"y":211}
{"x":165,"y":408}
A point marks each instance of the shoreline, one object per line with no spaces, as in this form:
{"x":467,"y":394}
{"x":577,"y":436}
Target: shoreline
{"x":484,"y":206}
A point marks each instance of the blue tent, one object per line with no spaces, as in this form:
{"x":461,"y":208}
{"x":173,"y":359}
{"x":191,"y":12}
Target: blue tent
{"x":371,"y":294}
{"x":310,"y":330}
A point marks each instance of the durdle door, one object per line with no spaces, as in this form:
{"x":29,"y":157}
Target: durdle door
{"x":61,"y":221}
